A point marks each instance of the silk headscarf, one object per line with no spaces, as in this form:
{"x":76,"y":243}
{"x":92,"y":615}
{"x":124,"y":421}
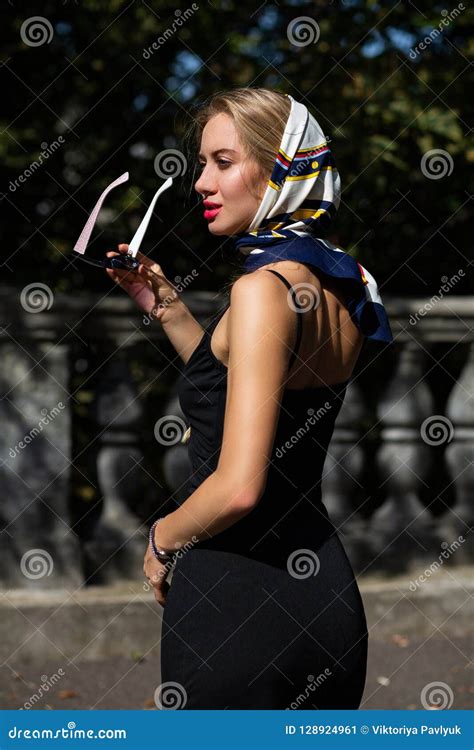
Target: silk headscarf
{"x":298,"y":206}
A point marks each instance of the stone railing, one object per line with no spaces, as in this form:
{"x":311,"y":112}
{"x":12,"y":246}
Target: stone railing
{"x":398,"y":480}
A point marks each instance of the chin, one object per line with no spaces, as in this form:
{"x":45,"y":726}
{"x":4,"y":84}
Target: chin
{"x":215,"y":230}
{"x":227,"y":231}
{"x":221,"y":230}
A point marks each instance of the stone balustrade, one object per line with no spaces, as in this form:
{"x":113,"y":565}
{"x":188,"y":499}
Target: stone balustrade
{"x":89,"y":401}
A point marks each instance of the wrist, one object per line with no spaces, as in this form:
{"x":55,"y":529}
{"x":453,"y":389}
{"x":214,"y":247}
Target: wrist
{"x":161,"y":553}
{"x":170,"y":310}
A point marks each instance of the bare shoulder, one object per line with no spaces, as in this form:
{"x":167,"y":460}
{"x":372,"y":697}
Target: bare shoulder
{"x":259,"y":302}
{"x":260,"y":286}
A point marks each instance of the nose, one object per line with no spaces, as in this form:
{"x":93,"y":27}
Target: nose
{"x":204,"y":184}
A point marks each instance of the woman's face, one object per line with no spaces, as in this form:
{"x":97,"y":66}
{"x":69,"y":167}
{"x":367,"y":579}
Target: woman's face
{"x":229,"y":179}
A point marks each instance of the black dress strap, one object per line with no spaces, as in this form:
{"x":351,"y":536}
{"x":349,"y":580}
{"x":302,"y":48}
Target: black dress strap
{"x":299,"y":320}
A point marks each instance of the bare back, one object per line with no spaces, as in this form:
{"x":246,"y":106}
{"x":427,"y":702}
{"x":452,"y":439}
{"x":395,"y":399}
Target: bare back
{"x":330,"y":343}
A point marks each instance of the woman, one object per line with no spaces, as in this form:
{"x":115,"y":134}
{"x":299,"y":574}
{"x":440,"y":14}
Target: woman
{"x":263,"y":611}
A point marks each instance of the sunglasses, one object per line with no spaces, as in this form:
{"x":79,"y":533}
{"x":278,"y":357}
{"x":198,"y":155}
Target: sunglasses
{"x":126,"y":261}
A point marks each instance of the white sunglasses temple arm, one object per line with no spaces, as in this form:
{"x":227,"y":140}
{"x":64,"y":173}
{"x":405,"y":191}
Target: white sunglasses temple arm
{"x":81,"y":244}
{"x":137,"y":239}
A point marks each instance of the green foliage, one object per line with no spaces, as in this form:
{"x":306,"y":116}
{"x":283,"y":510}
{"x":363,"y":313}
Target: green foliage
{"x":116,"y":109}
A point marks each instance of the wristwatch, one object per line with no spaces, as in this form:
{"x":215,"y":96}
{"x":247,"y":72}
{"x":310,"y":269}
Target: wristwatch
{"x":162,"y":555}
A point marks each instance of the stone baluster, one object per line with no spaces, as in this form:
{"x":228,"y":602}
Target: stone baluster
{"x":401,"y":527}
{"x":39,"y":549}
{"x":118,"y":544}
{"x":458,"y":433}
{"x":176,"y":463}
{"x":342,"y":475}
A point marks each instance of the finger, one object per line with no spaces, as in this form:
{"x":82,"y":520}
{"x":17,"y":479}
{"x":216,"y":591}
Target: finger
{"x":143,"y":258}
{"x":148,"y":273}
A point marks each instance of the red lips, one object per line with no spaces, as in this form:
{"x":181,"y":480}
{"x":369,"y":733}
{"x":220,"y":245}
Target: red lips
{"x":212,"y":209}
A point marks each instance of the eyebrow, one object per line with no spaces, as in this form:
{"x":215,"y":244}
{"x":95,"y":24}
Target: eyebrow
{"x":214,"y":153}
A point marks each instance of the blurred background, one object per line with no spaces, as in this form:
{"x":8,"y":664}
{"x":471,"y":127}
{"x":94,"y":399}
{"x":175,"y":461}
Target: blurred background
{"x":91,"y":447}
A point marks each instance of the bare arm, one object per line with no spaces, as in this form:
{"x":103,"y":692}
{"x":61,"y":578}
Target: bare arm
{"x":261,"y":335}
{"x":182,"y":328}
{"x":153,"y":293}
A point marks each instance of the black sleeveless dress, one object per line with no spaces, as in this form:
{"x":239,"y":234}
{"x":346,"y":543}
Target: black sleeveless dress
{"x":266,"y":614}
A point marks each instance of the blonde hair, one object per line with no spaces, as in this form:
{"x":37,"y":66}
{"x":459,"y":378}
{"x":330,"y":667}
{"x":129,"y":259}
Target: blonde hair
{"x":259,"y":116}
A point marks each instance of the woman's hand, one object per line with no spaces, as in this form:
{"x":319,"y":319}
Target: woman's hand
{"x":147,"y":286}
{"x":156,"y":572}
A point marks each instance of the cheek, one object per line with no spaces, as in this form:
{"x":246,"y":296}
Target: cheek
{"x":236,"y":189}
{"x":233,"y":187}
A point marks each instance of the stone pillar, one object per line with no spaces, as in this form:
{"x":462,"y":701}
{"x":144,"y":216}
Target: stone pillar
{"x":401,"y":528}
{"x":39,"y":549}
{"x":458,"y":433}
{"x":342,"y":474}
{"x":118,"y":545}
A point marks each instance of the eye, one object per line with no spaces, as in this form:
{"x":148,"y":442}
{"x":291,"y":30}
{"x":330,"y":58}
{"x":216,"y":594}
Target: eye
{"x":223,"y":164}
